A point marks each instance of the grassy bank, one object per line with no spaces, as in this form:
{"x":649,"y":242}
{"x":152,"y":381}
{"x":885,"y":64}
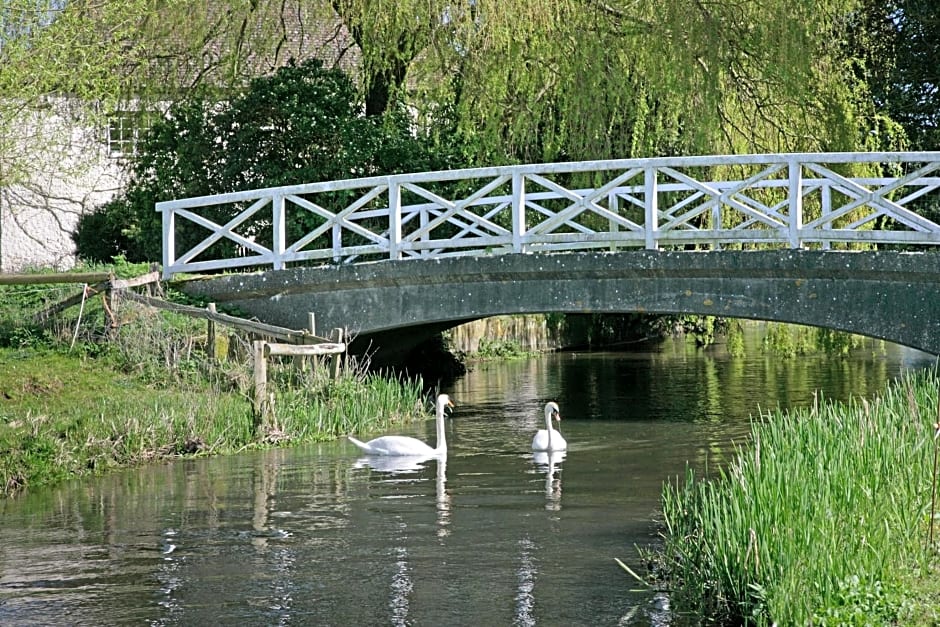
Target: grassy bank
{"x":824,"y":518}
{"x":78,"y":398}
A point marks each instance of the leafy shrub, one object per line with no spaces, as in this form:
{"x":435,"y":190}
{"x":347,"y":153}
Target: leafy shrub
{"x":301,"y":124}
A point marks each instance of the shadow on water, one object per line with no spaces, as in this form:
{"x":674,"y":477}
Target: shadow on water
{"x":491,"y":534}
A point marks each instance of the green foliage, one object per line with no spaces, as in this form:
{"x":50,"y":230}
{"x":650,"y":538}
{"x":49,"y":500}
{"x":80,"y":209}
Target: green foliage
{"x":834,"y":342}
{"x":75,"y":399}
{"x":107,"y":232}
{"x":500,"y":349}
{"x":898,"y":45}
{"x":788,"y":340}
{"x":785,"y":340}
{"x":735,"y":339}
{"x":316,"y":407}
{"x":300,"y":124}
{"x":821,"y":519}
{"x":859,"y":603}
{"x":19,"y":303}
{"x":549,"y":81}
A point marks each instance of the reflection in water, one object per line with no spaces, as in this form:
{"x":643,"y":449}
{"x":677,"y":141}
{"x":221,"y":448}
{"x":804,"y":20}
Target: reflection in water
{"x":547,"y":462}
{"x":409,"y":464}
{"x":402,"y":585}
{"x":313,"y":535}
{"x":525,"y":594}
{"x":443,"y":499}
{"x":394,"y":464}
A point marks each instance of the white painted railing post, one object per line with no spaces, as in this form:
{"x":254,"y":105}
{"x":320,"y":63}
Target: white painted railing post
{"x":518,"y":211}
{"x":613,"y":203}
{"x":826,"y":210}
{"x":651,"y":209}
{"x":795,"y":222}
{"x":716,"y":223}
{"x":394,"y":220}
{"x":337,"y":242}
{"x":423,"y":222}
{"x":169,"y":241}
{"x":279,"y":234}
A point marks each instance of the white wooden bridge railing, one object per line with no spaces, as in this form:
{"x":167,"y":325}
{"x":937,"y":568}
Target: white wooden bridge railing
{"x":707,"y":202}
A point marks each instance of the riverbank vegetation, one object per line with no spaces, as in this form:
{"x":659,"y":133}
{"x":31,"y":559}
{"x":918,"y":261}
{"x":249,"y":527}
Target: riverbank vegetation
{"x":827,"y":517}
{"x":78,"y":398}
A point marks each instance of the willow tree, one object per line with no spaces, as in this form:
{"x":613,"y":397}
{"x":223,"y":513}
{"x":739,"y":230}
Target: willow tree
{"x":555,"y":79}
{"x":67,"y":64}
{"x":533,"y":79}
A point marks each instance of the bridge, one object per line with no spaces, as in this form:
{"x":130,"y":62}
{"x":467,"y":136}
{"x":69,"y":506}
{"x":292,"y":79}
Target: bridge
{"x":838,"y":240}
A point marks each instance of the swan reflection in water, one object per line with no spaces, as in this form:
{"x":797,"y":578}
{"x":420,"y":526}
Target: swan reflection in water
{"x":402,"y":584}
{"x":548,"y":462}
{"x":409,"y":464}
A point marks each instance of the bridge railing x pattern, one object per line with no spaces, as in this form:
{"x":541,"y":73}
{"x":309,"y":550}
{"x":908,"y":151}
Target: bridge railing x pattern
{"x":814,"y":200}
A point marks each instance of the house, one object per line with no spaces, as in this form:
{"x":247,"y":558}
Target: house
{"x":74,"y":165}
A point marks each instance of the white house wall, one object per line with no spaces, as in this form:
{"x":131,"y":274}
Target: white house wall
{"x":38,"y":221}
{"x":70,"y":174}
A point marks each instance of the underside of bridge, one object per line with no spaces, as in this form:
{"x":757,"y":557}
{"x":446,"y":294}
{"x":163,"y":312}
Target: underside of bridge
{"x":392,"y":306}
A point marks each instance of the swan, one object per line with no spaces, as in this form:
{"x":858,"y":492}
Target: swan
{"x":400,"y":445}
{"x":549,"y":439}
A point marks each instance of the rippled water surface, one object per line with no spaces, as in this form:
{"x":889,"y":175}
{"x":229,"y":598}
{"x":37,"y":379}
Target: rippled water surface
{"x":318,"y":535}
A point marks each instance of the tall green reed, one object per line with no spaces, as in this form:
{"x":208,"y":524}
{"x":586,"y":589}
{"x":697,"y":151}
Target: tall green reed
{"x":314,"y":406}
{"x":819,"y":519}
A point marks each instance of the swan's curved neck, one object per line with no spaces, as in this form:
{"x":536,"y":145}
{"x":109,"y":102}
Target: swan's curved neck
{"x":548,"y":427}
{"x":441,"y":441}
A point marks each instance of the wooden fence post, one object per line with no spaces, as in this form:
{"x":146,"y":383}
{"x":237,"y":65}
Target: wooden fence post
{"x":109,"y":301}
{"x":336,"y":360}
{"x":301,"y":361}
{"x":260,"y":399}
{"x":210,"y":334}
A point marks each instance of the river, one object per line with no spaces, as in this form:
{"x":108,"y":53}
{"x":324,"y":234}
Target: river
{"x":317,"y":535}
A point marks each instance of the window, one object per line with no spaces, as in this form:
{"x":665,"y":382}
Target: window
{"x":125,"y":129}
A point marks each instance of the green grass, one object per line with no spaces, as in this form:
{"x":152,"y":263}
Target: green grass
{"x":77,"y":398}
{"x":823,"y":519}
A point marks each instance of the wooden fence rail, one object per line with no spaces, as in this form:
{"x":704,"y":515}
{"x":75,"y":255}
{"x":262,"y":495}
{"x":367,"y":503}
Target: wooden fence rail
{"x":299,"y":344}
{"x":58,"y":277}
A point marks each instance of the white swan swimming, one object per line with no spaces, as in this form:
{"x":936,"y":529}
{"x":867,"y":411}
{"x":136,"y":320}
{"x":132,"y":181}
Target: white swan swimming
{"x":549,"y":439}
{"x":401,"y":445}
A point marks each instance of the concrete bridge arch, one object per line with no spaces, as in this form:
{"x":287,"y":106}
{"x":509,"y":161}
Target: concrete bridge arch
{"x":393,"y":305}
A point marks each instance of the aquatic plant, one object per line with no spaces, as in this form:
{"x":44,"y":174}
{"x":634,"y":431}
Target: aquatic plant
{"x":821,"y":519}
